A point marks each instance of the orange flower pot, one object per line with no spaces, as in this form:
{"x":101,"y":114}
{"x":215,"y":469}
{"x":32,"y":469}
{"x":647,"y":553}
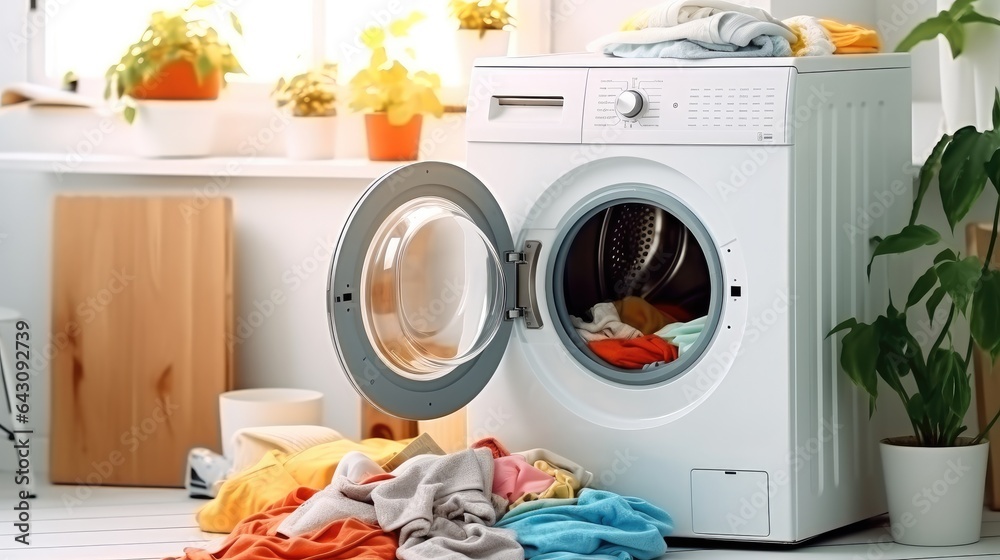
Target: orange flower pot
{"x":178,"y":80}
{"x":392,"y":143}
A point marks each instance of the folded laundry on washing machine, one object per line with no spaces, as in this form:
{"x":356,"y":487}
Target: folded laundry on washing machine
{"x":597,"y":524}
{"x":683,"y":335}
{"x":726,"y":28}
{"x":812,"y":39}
{"x":676,"y":12}
{"x":852,"y":39}
{"x":763,"y":46}
{"x":606,"y":324}
{"x":642,"y":315}
{"x":634,"y":353}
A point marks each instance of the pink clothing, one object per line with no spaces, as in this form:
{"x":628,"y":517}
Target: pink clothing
{"x":513,"y":477}
{"x":494,"y":445}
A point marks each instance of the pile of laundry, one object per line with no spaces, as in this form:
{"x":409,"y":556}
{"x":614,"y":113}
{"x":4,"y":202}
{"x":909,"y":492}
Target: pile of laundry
{"x":632,"y":333}
{"x":409,"y":500}
{"x":715,"y":29}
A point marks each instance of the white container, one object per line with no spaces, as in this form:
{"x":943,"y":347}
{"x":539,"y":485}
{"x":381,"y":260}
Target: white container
{"x":468,"y":47}
{"x":250,"y":408}
{"x":935,"y":494}
{"x":968,"y":82}
{"x":175,"y":128}
{"x":311,"y":137}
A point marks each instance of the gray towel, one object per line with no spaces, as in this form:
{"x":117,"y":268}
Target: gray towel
{"x":763,"y":46}
{"x":442,"y":507}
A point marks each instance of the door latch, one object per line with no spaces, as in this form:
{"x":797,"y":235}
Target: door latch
{"x":525,"y":269}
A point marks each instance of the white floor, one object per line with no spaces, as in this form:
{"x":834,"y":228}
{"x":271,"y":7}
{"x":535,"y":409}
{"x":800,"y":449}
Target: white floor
{"x":80,"y":523}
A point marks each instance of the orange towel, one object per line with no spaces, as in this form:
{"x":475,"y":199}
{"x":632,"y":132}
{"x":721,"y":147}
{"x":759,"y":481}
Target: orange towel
{"x":494,"y":445}
{"x":679,"y":314}
{"x":637,"y":312}
{"x":634,"y":353}
{"x":851,"y":39}
{"x":255,"y":538}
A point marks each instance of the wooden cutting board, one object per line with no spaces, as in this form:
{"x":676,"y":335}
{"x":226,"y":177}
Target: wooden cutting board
{"x":987,"y":375}
{"x":142,"y":317}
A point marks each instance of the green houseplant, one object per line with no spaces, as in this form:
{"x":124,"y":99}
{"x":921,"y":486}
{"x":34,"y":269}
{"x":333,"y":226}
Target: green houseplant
{"x":311,"y":99}
{"x":934,"y":385}
{"x":179,"y":56}
{"x":394,"y":97}
{"x":170,"y":77}
{"x":966,"y":81}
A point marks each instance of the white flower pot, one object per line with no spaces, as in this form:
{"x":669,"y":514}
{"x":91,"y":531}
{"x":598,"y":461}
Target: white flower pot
{"x":311,"y":137}
{"x":935,"y":494}
{"x":968,"y":82}
{"x":174,"y":128}
{"x":470,"y":46}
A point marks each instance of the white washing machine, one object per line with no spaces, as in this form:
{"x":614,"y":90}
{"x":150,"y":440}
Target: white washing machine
{"x":741,"y":191}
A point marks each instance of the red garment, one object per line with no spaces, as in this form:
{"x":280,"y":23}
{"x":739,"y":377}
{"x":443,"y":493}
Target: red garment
{"x":493,"y":445}
{"x":254,"y":538}
{"x":634,"y":353}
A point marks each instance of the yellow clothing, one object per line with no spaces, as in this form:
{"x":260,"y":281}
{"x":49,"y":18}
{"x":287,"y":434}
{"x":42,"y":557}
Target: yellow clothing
{"x":851,"y":39}
{"x":640,"y":314}
{"x":276,"y":474}
{"x":565,"y":486}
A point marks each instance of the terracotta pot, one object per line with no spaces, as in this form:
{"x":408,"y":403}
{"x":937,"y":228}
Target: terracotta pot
{"x":392,"y":143}
{"x":178,"y":80}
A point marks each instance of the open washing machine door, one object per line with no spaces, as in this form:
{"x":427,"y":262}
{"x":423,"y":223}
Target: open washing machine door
{"x":421,"y":293}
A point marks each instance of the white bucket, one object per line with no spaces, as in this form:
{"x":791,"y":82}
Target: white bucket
{"x":251,"y":408}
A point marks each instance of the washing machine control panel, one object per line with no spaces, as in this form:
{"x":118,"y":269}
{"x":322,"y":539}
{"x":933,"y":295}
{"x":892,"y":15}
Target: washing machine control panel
{"x":687,"y":105}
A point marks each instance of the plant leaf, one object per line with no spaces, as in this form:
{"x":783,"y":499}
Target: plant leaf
{"x":859,"y":357}
{"x":848,"y":324}
{"x":963,"y":172}
{"x":922,"y":287}
{"x":933,"y":302}
{"x":910,"y":238}
{"x":129,"y":114}
{"x":235,"y":21}
{"x":928,"y":171}
{"x":993,"y":167}
{"x":984,"y":318}
{"x":959,"y":279}
{"x":973,"y":16}
{"x":941,"y":24}
{"x":996,"y":112}
{"x":945,"y":255}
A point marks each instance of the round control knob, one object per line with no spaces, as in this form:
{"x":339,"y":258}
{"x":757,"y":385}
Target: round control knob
{"x":629,"y":104}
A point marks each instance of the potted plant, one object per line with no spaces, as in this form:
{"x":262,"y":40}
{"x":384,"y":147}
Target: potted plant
{"x":168,"y":79}
{"x":483,"y":30}
{"x":967,"y":80}
{"x":935,"y":478}
{"x":311,"y":98}
{"x":395,"y":97}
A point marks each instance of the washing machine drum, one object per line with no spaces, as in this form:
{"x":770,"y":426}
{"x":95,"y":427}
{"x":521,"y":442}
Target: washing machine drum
{"x":640,"y":250}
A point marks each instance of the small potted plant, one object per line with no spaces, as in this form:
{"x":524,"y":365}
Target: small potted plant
{"x":483,"y":30}
{"x":394,"y":97}
{"x":311,"y":98}
{"x":167,"y":80}
{"x":935,"y":478}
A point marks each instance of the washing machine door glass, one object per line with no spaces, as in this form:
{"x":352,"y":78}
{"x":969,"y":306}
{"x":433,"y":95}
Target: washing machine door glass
{"x":418,"y":290}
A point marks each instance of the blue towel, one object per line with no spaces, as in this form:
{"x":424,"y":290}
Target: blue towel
{"x":600,"y":526}
{"x":764,"y":45}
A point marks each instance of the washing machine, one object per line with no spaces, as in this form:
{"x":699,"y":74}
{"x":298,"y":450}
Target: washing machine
{"x":742,"y":192}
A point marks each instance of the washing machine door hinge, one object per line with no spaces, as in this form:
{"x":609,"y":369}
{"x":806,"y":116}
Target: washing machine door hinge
{"x":525,"y":268}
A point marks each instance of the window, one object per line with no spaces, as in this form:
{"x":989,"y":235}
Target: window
{"x":87,"y":36}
